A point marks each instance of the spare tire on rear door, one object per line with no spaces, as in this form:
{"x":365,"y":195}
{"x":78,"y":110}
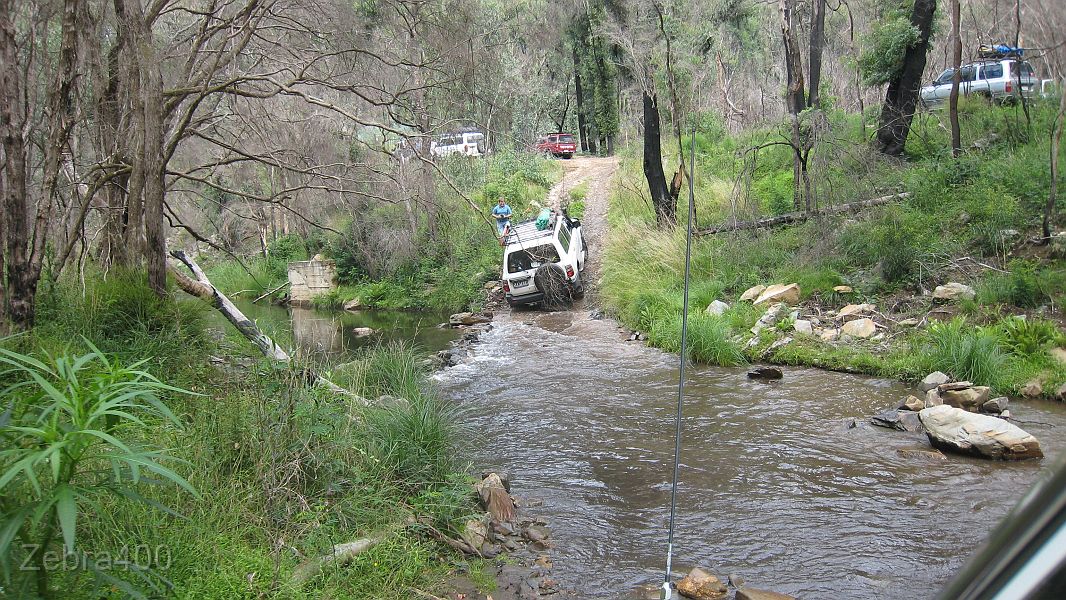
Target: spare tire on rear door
{"x":550,"y":279}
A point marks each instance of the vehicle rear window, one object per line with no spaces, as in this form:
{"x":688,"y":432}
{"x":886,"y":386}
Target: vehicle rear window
{"x":992,"y":71}
{"x":564,"y":236}
{"x":1027,"y":69}
{"x":566,"y":139}
{"x":531,"y":258}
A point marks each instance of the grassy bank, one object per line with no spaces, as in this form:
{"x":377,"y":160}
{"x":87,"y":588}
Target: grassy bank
{"x":256,"y":472}
{"x":965,"y":220}
{"x":385,"y":265}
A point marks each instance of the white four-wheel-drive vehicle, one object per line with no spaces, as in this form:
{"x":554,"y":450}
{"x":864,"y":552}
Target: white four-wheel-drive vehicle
{"x":467,"y":143}
{"x":543,"y":262}
{"x":997,"y":80}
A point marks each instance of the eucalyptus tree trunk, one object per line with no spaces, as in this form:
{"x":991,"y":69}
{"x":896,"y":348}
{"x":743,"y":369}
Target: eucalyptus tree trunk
{"x":1018,"y":70}
{"x":582,"y":125}
{"x":901,"y":99}
{"x":795,"y":102}
{"x":18,"y":285}
{"x":1056,"y":141}
{"x":953,"y":100}
{"x":25,"y":220}
{"x":665,"y":207}
{"x":817,"y":45}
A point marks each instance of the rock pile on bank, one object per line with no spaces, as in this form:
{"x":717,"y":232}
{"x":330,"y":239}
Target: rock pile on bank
{"x":961,"y":417}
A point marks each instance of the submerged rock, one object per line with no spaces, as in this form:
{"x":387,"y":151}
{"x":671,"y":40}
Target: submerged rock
{"x":902,"y":420}
{"x":362,"y":331}
{"x":955,"y":429}
{"x":765,"y":373}
{"x":468,"y":318}
{"x":748,"y":593}
{"x":921,"y":452}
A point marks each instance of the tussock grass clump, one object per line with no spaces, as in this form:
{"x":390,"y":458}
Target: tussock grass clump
{"x":121,"y":315}
{"x":966,"y":353}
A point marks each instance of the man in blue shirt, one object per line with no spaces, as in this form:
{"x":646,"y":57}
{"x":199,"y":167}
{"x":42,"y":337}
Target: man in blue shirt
{"x":502,"y":212}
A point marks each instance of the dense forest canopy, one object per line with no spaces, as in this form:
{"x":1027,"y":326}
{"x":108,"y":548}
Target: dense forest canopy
{"x":130,"y":127}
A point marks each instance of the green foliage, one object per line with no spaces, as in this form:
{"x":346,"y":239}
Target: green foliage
{"x":282,"y":251}
{"x":1029,"y":337}
{"x":123,"y":316}
{"x":884,"y":47}
{"x":965,"y":352}
{"x":1025,"y":286}
{"x":903,"y":244}
{"x":575,"y":206}
{"x":775,"y":192}
{"x":69,"y":438}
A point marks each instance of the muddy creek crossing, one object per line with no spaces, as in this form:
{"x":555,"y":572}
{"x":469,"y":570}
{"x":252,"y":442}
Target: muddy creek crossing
{"x":784,"y":483}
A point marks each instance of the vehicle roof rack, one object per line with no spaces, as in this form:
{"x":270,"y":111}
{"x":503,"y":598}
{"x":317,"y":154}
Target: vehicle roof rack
{"x":527,"y":230}
{"x":999,"y":51}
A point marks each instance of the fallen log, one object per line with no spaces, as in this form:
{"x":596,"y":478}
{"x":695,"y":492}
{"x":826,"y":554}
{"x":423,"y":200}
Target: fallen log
{"x":342,"y":555}
{"x":202,"y":288}
{"x":799,"y":217}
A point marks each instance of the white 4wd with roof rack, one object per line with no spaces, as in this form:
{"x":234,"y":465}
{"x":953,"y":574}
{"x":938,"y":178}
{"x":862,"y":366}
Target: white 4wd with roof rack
{"x":544,"y":265}
{"x":996,"y":79}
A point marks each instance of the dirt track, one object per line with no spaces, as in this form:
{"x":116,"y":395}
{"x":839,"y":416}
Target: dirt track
{"x":598,"y":172}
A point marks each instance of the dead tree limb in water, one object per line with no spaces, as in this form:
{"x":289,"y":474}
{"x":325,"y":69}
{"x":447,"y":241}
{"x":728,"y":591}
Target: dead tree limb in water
{"x":799,"y":217}
{"x":202,"y":288}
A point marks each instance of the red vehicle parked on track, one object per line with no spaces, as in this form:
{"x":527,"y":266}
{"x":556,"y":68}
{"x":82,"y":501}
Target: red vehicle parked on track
{"x":556,"y":144}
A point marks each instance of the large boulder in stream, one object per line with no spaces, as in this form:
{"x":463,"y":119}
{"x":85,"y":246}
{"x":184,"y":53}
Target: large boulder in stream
{"x":970,"y":399}
{"x":958,"y":430}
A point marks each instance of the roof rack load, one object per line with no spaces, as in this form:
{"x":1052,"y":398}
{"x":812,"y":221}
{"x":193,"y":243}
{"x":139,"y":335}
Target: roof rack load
{"x":528,"y":230}
{"x":999,"y":51}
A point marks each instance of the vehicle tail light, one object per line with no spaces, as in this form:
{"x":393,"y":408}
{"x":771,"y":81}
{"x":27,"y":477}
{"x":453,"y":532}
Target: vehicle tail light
{"x":569,"y":271}
{"x":1009,"y":87}
{"x":506,"y":286}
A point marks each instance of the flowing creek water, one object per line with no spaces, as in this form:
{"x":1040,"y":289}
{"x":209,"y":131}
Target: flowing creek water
{"x":784,"y":483}
{"x":776,"y":484}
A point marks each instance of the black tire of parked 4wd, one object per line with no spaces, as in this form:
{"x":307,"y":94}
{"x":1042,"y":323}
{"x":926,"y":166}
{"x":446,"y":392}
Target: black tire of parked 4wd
{"x":551,"y":281}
